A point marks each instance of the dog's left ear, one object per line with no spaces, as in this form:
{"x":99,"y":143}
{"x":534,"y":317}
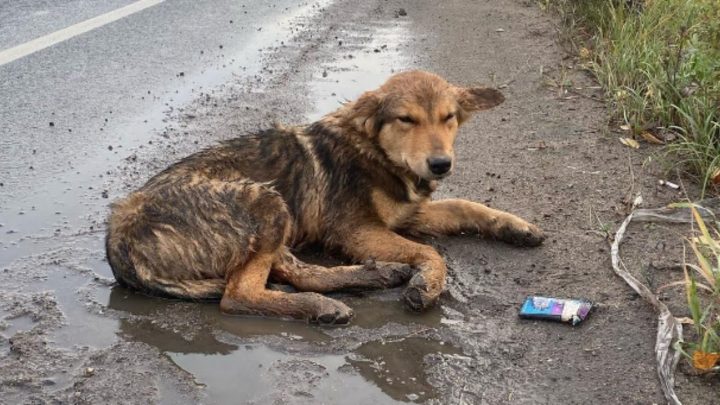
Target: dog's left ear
{"x":365,"y":113}
{"x":475,"y":99}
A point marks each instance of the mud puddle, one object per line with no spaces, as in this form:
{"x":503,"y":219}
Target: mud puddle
{"x":399,"y":366}
{"x":257,"y":360}
{"x":373,"y":373}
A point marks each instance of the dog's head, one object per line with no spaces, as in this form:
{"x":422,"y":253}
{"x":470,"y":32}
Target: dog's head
{"x":414,"y":118}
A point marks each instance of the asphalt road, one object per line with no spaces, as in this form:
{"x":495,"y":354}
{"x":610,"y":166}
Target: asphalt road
{"x":69,"y":112}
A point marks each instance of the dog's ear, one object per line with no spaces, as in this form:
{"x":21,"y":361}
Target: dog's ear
{"x":365,"y":113}
{"x":473,"y":99}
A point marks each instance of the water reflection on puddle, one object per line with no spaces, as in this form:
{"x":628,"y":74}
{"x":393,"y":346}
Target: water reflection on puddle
{"x":391,"y":372}
{"x":268,"y":376}
{"x":260,"y":360}
{"x":398,"y":366}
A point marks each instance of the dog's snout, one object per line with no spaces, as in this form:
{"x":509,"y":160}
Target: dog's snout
{"x":439,"y":165}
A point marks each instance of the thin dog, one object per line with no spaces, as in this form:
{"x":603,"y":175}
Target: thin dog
{"x":220,"y":224}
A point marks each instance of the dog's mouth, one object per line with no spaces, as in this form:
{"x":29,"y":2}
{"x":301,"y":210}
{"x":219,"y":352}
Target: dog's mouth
{"x":425,"y":173}
{"x":437,"y":176}
{"x":422,"y":171}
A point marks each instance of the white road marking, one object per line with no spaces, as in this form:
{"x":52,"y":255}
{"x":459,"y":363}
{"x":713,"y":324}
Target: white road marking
{"x":64,"y":34}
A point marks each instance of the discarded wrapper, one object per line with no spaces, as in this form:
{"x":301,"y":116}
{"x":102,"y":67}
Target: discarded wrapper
{"x":555,"y":309}
{"x":668,"y":184}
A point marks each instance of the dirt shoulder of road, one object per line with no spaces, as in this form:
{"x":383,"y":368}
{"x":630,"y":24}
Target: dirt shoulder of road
{"x":549,"y":156}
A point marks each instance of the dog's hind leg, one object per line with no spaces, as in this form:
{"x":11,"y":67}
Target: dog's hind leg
{"x":309,"y":277}
{"x":246,"y":294}
{"x":246,"y":291}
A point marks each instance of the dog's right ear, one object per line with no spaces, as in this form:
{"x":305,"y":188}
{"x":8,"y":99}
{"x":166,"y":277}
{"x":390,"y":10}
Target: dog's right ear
{"x":475,"y":99}
{"x":365,"y":113}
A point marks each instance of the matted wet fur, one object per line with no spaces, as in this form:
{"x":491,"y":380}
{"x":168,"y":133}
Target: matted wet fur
{"x":220,"y":223}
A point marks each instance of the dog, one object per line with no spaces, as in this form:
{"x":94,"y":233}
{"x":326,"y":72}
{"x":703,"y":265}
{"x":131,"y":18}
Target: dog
{"x":220,"y":224}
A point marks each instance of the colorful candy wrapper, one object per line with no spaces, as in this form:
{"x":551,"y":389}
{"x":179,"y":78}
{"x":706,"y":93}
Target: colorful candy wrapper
{"x":555,"y":309}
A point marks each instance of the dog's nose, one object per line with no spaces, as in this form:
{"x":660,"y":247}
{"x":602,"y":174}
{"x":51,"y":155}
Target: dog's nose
{"x":439,"y":164}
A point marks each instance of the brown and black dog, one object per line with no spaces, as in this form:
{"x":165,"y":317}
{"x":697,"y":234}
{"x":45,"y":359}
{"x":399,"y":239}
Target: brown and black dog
{"x":220,"y":223}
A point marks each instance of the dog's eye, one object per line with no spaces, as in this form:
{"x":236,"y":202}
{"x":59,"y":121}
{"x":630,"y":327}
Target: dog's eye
{"x":406,"y":119}
{"x":449,"y":117}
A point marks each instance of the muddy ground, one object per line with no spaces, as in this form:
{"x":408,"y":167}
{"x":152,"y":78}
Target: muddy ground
{"x":70,"y":335}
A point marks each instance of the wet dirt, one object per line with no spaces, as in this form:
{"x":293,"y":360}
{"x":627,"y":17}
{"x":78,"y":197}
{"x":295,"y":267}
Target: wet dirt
{"x":68,"y":334}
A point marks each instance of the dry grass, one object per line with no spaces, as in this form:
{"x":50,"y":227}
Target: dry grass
{"x":659,"y":64}
{"x":702,"y":285}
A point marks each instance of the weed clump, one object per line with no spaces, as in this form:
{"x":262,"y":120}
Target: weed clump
{"x":659,"y":64}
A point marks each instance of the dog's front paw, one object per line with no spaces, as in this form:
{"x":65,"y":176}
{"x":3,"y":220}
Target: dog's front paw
{"x":520,"y":233}
{"x":419,"y":294}
{"x":332,"y":312}
{"x":390,"y":274}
